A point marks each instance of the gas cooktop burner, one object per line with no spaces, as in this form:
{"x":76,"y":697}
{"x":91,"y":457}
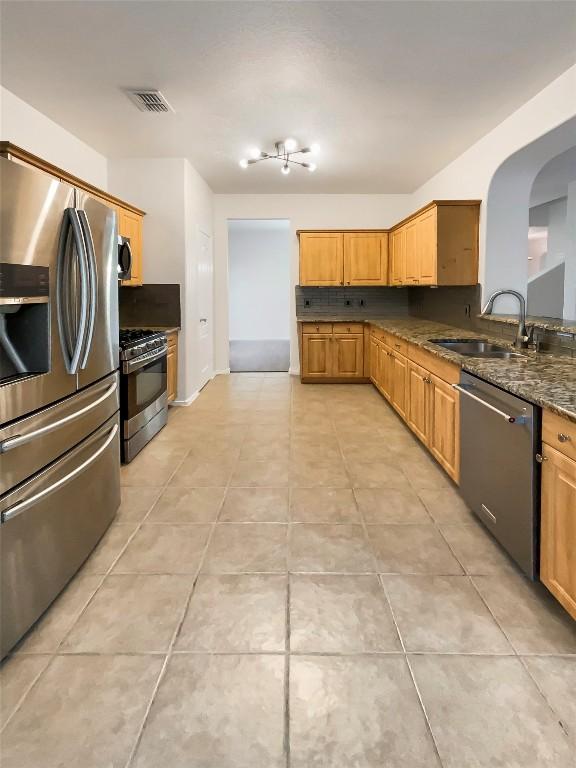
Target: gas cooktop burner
{"x":138,"y":341}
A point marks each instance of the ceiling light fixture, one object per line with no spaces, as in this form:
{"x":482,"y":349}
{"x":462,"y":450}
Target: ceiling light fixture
{"x":284,"y":151}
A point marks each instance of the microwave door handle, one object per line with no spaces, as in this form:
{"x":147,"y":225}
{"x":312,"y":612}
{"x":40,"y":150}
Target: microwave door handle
{"x":22,"y":506}
{"x":92,"y":278}
{"x":17,"y":440}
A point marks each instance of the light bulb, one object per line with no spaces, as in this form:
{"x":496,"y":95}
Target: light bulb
{"x":312,"y":167}
{"x":315,"y":149}
{"x":290,"y":145}
{"x":243,"y":163}
{"x":285,"y":169}
{"x":254,"y":153}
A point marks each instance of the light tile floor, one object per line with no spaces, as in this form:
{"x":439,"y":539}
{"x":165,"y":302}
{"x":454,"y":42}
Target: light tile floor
{"x":291,"y":581}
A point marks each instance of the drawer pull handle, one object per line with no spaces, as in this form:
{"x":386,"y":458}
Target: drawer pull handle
{"x":540,"y":459}
{"x":563,"y":438}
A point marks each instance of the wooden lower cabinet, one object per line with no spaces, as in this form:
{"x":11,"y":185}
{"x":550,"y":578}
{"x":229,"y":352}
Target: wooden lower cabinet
{"x":172,"y":365}
{"x":418,"y":410}
{"x":443,"y":435}
{"x":348,"y":355}
{"x":399,"y":373}
{"x":558,"y":527}
{"x":316,"y":355}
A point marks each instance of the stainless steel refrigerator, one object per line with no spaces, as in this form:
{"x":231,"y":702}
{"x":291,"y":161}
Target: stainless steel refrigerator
{"x":59,"y":421}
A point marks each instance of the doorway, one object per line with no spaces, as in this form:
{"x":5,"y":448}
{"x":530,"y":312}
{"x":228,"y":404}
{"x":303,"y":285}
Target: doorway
{"x":259,"y":294}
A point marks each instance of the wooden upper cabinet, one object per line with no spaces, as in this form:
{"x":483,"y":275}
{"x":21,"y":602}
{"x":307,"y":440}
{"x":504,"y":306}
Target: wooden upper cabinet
{"x":426,"y":247}
{"x":130,"y":225}
{"x":321,"y":258}
{"x":398,"y":256}
{"x":438,"y":245}
{"x":444,"y":435}
{"x":558,"y":527}
{"x":348,"y":355}
{"x":365,"y":258}
{"x":411,"y":266}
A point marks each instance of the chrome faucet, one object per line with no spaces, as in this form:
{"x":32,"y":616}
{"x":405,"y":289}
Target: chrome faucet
{"x":522,"y":338}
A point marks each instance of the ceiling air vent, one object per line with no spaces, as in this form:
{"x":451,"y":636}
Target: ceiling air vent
{"x":149,"y":101}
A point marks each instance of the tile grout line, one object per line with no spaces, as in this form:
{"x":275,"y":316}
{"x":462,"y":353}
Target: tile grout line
{"x":176,"y":633}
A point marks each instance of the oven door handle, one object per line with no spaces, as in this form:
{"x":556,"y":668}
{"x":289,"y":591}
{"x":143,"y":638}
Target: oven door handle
{"x":129,"y":366}
{"x":510,"y":419}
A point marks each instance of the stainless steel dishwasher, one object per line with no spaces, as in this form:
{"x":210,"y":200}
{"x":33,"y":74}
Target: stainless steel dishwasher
{"x":499,"y":478}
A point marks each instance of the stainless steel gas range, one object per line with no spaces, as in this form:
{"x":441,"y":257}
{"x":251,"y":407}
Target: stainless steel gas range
{"x":143,"y":388}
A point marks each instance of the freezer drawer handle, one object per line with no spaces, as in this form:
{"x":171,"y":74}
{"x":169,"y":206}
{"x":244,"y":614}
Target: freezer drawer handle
{"x":511,"y":419}
{"x":22,"y":506}
{"x":17,"y":440}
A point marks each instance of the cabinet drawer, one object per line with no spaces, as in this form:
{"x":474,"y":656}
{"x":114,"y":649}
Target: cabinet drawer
{"x":378,"y":333}
{"x":448,"y":372}
{"x":559,"y":433}
{"x":396,"y":344}
{"x":316,"y":327}
{"x":348,"y":327}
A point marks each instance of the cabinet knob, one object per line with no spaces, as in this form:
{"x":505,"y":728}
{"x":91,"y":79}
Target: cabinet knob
{"x":540,"y":459}
{"x":563,"y":438}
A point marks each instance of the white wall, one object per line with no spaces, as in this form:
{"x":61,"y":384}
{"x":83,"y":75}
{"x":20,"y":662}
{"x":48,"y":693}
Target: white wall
{"x":178,"y":204}
{"x":470,"y":177}
{"x":304,"y":212}
{"x":259,"y":279}
{"x":27,"y":128}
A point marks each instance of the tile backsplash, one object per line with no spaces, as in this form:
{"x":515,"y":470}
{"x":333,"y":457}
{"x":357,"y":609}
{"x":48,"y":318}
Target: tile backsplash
{"x":358,"y":301}
{"x":451,"y":304}
{"x":150,"y":304}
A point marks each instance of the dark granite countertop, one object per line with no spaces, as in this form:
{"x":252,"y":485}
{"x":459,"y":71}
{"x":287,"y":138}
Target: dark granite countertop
{"x":546,"y":323}
{"x":544,"y":379}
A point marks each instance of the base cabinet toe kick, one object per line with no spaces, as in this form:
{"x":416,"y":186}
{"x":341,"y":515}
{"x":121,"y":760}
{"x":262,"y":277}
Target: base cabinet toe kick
{"x":514,"y":462}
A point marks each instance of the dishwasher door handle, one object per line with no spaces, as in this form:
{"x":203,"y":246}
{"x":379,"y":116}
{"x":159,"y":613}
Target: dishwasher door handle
{"x":510,"y":419}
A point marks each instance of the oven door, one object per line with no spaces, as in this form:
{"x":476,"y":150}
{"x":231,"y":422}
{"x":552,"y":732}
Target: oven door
{"x":143,"y":390}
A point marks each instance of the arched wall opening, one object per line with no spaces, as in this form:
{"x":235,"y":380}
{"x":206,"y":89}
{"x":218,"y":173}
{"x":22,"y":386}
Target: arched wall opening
{"x":507,"y":219}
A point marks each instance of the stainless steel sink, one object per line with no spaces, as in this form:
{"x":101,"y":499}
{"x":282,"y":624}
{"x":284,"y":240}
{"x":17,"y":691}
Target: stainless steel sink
{"x":475,"y":348}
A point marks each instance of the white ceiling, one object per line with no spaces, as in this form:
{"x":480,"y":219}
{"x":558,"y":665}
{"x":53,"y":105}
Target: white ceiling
{"x":391,"y":90}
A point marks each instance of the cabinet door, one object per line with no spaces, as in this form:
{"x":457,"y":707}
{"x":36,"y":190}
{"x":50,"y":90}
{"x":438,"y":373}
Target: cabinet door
{"x":316,"y":355}
{"x":365,"y":258}
{"x":399,"y":371}
{"x":417,"y":405}
{"x":398,"y":256}
{"x":348,"y":355}
{"x":426,"y":247}
{"x":172,"y":366}
{"x":130,"y":225}
{"x":374,"y":361}
{"x":385,"y":371}
{"x":321,"y":258}
{"x":412,"y":274}
{"x":558,"y":527}
{"x":444,"y":441}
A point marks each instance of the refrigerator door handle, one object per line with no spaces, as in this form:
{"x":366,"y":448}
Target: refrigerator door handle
{"x":71,"y":348}
{"x":22,"y":506}
{"x":18,"y":440}
{"x":92,"y":286}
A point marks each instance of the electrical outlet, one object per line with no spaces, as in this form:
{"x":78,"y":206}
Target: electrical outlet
{"x":347,"y":302}
{"x":467,"y":310}
{"x":306,"y":302}
{"x":361,"y":303}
